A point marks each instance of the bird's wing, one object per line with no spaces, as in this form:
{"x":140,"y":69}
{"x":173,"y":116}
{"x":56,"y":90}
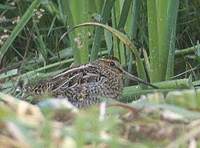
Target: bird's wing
{"x":72,"y":71}
{"x":77,"y":79}
{"x":67,"y":79}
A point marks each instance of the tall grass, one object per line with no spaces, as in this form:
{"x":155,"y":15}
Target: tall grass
{"x":149,"y":28}
{"x":24,"y":20}
{"x":156,"y":40}
{"x":105,"y":15}
{"x":126,"y":16}
{"x":162,"y":16}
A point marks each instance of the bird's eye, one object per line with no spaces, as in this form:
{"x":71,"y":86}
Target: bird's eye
{"x":112,"y":64}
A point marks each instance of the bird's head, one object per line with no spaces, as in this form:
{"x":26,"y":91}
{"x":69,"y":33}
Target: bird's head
{"x":113,"y":68}
{"x":110,"y":65}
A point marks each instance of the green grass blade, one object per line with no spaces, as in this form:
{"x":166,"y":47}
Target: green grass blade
{"x":109,"y":41}
{"x":105,"y":14}
{"x":163,"y":36}
{"x":162,"y":17}
{"x":172,"y":18}
{"x":153,"y":39}
{"x":114,"y":16}
{"x":82,"y":12}
{"x":121,"y":26}
{"x":124,"y":14}
{"x":70,"y":23}
{"x":164,"y":86}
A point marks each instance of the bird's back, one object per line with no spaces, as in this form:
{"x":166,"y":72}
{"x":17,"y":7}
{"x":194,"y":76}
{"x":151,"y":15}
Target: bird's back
{"x":82,"y":85}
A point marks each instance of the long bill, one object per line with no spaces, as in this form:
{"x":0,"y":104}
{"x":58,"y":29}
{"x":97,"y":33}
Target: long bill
{"x":134,"y":78}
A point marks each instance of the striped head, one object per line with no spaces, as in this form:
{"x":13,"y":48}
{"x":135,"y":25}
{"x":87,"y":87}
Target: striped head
{"x":111,"y":68}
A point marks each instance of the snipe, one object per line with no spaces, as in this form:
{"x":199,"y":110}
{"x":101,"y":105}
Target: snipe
{"x":83,"y":85}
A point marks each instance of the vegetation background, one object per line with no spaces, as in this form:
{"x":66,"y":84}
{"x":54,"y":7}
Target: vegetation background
{"x":154,"y":39}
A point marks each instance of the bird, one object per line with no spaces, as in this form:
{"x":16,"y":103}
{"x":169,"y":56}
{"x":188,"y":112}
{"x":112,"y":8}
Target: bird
{"x":84,"y":85}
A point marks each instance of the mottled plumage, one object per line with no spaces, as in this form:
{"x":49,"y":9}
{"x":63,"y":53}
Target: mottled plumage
{"x":83,"y":85}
